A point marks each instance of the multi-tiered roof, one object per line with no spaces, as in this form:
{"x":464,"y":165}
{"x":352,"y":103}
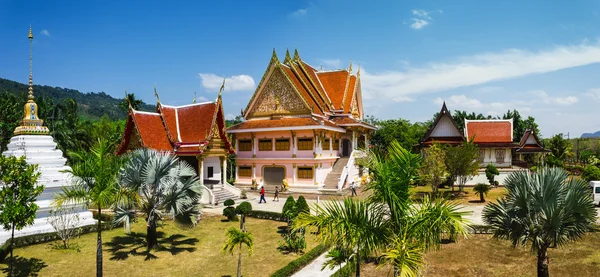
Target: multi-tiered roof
{"x":293,"y":94}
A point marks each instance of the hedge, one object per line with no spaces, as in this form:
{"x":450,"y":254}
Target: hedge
{"x":268,"y":215}
{"x":482,"y":229}
{"x":46,"y":237}
{"x":301,"y":262}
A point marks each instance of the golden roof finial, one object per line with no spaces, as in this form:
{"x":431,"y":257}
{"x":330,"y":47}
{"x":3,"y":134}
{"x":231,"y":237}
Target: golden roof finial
{"x":350,"y":68}
{"x":222,"y":88}
{"x":358,"y":72}
{"x":274,"y":56}
{"x":296,"y":55}
{"x":194,"y":101}
{"x":156,"y":94}
{"x":128,"y":100}
{"x":288,"y":58}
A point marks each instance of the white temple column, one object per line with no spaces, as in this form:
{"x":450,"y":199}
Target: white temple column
{"x":353,"y":140}
{"x":254,"y":146}
{"x":294,"y":145}
{"x":201,"y":170}
{"x":295,"y":174}
{"x":330,"y":146}
{"x":254,"y":171}
{"x":224,"y":170}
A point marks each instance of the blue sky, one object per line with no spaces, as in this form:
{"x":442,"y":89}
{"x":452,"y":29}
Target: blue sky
{"x":541,"y":57}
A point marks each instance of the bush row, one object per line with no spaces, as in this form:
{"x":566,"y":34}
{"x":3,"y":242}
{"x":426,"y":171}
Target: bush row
{"x":46,"y":237}
{"x":268,"y":215}
{"x":482,"y":229}
{"x":301,"y":261}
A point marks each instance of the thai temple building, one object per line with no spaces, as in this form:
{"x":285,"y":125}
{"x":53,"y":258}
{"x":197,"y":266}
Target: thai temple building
{"x":303,"y":125}
{"x":494,"y":137}
{"x":32,"y":139}
{"x":195,"y":133}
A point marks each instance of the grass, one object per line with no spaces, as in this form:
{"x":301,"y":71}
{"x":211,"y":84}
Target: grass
{"x":481,"y":255}
{"x":184,"y":252}
{"x":468,"y":197}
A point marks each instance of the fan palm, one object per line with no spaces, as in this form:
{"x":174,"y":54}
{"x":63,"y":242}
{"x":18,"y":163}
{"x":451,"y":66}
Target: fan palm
{"x":94,"y":177}
{"x":155,"y":183}
{"x":238,"y":238}
{"x":546,"y":208}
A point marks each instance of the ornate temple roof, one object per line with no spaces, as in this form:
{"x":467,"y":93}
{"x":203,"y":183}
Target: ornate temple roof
{"x":183,"y":129}
{"x":291,"y":92}
{"x":289,"y":123}
{"x":530,"y":143}
{"x":489,"y":131}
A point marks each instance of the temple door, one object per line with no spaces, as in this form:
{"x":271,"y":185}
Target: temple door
{"x":345,"y":148}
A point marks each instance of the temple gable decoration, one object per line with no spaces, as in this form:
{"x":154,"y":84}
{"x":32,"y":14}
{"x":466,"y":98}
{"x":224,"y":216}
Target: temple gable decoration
{"x":443,"y":130}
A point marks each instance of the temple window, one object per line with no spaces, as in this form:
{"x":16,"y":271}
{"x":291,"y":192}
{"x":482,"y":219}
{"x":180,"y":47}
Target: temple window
{"x":265,"y":145}
{"x":481,"y":155}
{"x":245,"y":171}
{"x":245,"y":145}
{"x":305,"y":144}
{"x":282,"y":144}
{"x":500,"y":155}
{"x":336,"y":144}
{"x":305,"y":172}
{"x":326,"y":144}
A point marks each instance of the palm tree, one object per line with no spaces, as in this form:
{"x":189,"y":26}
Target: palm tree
{"x":130,"y":100}
{"x":94,"y":176}
{"x":238,"y":238}
{"x":546,"y":208}
{"x":351,"y":224}
{"x":154,"y":183}
{"x":481,"y":189}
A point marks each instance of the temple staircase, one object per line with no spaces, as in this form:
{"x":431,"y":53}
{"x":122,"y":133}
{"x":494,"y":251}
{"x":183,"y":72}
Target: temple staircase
{"x":332,"y":179}
{"x":221,"y":194}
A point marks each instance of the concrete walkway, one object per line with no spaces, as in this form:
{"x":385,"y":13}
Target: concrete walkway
{"x":314,"y":268}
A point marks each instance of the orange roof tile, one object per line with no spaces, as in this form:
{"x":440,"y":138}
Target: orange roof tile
{"x":170,"y":120}
{"x":489,"y":131}
{"x":307,"y":85}
{"x":195,"y":121}
{"x":334,"y":83}
{"x":152,"y":131}
{"x":349,"y":94}
{"x":303,"y":92}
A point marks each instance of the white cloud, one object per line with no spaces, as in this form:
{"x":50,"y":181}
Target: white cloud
{"x":331,"y":63}
{"x":229,"y":116}
{"x":422,"y":18}
{"x":418,"y":23}
{"x":45,"y":32}
{"x":401,"y":99}
{"x":594,"y":93}
{"x":212,"y":82}
{"x":545,"y":98}
{"x":298,"y":13}
{"x":477,"y":69}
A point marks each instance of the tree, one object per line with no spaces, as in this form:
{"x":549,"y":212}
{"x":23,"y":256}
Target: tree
{"x":301,"y":205}
{"x":229,"y":210}
{"x":158,"y":183}
{"x":130,"y":100}
{"x":94,"y":177}
{"x":461,"y":162}
{"x":289,"y":208}
{"x":544,"y":209}
{"x":11,"y":113}
{"x":406,"y":133}
{"x":243,"y":209}
{"x":65,"y":222}
{"x":433,"y":170}
{"x":237,"y":238}
{"x":591,"y":173}
{"x":559,"y":148}
{"x":336,"y":256}
{"x":490,"y":172}
{"x":481,"y":189}
{"x":17,"y":195}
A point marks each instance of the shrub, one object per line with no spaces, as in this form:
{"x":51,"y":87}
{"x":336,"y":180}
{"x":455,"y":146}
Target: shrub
{"x":243,"y":209}
{"x":103,"y":216}
{"x":345,"y":271}
{"x":268,"y":215}
{"x":301,"y":205}
{"x":293,"y":242}
{"x":591,"y":173}
{"x":230,"y":213}
{"x":481,"y":189}
{"x":297,"y":264}
{"x":65,"y":222}
{"x":490,"y":172}
{"x":229,"y":202}
{"x":289,"y":207}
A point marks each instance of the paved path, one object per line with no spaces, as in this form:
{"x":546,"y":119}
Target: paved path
{"x":314,"y":268}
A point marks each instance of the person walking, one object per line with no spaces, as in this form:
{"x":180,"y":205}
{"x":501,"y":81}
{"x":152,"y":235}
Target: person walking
{"x":353,"y":188}
{"x":276,"y":198}
{"x":262,"y":195}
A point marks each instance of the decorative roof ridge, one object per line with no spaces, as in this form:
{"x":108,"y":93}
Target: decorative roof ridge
{"x":320,"y":89}
{"x":144,"y":112}
{"x":489,"y":120}
{"x":277,"y":66}
{"x":189,"y":105}
{"x":354,"y":95}
{"x":307,"y":86}
{"x":214,"y":121}
{"x":332,"y":71}
{"x":443,"y":111}
{"x":273,"y":61}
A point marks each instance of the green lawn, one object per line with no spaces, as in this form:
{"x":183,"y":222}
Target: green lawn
{"x":191,"y":252}
{"x":481,"y":255}
{"x":468,"y":197}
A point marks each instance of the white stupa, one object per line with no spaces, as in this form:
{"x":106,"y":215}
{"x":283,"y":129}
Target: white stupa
{"x":32,"y":139}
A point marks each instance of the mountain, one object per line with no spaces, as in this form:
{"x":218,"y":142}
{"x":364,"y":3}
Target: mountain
{"x":91,"y":105}
{"x":591,"y":135}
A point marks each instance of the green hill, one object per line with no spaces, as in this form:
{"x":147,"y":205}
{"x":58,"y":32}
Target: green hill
{"x":91,"y":105}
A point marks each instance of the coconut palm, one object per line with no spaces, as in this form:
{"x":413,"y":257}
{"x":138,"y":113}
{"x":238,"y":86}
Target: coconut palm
{"x":481,"y":189}
{"x":94,"y":177}
{"x":238,"y":238}
{"x":156,"y":183}
{"x":545,"y":209}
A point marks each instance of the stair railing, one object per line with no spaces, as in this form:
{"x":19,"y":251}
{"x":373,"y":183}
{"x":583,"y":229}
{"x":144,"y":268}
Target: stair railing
{"x":230,"y":188}
{"x":344,"y":175}
{"x":210,"y":196}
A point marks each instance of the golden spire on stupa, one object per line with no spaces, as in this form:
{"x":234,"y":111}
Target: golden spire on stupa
{"x":31,"y":124}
